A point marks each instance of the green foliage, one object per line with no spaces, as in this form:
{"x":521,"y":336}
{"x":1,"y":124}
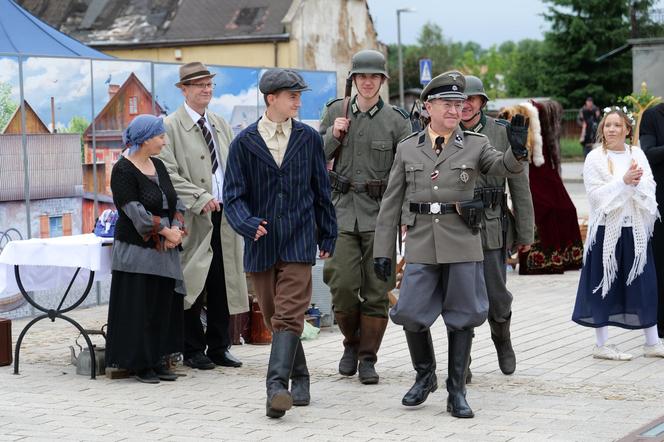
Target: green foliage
{"x":580,"y":32}
{"x":571,"y":149}
{"x":562,"y":66}
{"x":7,"y":105}
{"x":77,"y":125}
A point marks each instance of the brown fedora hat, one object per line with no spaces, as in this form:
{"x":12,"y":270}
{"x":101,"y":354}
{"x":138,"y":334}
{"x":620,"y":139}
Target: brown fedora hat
{"x":193,"y":71}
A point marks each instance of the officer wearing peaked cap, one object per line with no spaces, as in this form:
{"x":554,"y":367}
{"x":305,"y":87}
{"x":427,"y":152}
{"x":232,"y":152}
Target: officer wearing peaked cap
{"x":495,"y":223}
{"x":434,"y":174}
{"x":363,"y":143}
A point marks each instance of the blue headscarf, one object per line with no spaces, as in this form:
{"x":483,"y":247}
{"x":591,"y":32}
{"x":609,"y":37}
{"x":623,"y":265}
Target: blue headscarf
{"x":141,"y":129}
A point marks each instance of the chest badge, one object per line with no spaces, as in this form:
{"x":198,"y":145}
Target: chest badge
{"x":463,"y":176}
{"x":434,"y":175}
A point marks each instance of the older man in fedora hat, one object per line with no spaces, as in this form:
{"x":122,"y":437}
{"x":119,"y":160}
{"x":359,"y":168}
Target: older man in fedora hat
{"x":195,"y":156}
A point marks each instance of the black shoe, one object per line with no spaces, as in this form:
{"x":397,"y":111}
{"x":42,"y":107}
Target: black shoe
{"x":163,"y":373}
{"x":300,"y":379}
{"x":199,"y":361}
{"x":225,"y":359}
{"x":147,"y":376}
{"x":367,"y":373}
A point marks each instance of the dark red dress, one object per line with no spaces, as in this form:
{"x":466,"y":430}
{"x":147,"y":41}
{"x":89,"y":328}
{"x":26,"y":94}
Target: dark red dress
{"x":558,"y":246}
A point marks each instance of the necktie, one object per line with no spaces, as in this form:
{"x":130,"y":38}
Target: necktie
{"x":439,"y":144}
{"x":210,"y":144}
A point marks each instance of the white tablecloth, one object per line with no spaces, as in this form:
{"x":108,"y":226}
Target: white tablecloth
{"x":47,"y":263}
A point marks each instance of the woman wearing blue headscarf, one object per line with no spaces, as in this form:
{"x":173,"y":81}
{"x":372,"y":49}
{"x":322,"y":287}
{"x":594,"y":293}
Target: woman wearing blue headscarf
{"x":145,"y":311}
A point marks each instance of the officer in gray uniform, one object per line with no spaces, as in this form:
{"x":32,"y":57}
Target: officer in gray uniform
{"x":499,"y":234}
{"x":363,"y":146}
{"x":435,"y":171}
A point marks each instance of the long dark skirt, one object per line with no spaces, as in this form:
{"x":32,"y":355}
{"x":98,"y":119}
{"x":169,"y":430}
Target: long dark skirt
{"x":145,"y":320}
{"x":631,"y":306}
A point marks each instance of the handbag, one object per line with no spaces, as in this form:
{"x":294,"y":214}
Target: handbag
{"x":105,"y":225}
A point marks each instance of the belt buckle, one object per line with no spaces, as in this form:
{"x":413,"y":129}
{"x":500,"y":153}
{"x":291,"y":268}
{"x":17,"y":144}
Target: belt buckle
{"x":434,"y":208}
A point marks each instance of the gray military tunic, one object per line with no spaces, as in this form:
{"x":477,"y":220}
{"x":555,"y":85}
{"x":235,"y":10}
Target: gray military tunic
{"x":520,"y":228}
{"x":444,"y":270}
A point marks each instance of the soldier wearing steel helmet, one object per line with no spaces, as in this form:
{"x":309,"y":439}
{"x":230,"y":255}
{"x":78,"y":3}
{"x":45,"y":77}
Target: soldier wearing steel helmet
{"x":363,"y":145}
{"x":435,"y":173}
{"x":495,"y":223}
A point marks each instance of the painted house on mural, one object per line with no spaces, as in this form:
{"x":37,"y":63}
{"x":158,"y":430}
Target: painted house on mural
{"x":54,"y":165}
{"x":303,"y":34}
{"x":124,"y":103}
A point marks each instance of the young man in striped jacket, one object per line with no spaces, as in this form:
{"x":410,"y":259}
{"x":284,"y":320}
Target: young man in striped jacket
{"x":277,"y":196}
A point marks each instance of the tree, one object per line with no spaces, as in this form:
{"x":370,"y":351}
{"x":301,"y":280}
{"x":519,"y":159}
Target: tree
{"x":77,"y":125}
{"x":525,"y":74}
{"x":581,"y":31}
{"x":431,"y":43}
{"x":7,"y":105}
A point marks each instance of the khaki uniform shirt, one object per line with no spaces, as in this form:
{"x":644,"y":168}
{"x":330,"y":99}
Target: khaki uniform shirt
{"x":418,"y":175}
{"x":276,"y":136}
{"x":367,"y":153}
{"x":522,"y":226}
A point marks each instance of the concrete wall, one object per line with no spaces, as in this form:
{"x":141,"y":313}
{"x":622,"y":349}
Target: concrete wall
{"x":648,"y":65}
{"x":12,"y":214}
{"x":238,"y":54}
{"x":326,"y":34}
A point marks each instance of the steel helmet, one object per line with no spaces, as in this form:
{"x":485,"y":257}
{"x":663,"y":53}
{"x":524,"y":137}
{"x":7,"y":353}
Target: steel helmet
{"x":368,"y":61}
{"x":474,"y":86}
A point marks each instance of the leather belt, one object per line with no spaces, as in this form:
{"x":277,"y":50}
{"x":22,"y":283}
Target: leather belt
{"x":358,"y":187}
{"x":433,"y":208}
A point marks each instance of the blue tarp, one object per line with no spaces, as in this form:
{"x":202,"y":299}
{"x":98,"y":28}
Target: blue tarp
{"x":22,"y":33}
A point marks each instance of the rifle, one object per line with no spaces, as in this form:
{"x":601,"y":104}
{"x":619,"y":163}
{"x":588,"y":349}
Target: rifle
{"x":346,"y":106}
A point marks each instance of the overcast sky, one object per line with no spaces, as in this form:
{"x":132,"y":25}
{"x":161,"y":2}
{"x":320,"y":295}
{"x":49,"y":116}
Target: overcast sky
{"x":486,"y":22}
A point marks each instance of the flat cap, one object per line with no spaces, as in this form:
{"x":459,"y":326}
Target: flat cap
{"x":448,"y":85}
{"x":277,"y":79}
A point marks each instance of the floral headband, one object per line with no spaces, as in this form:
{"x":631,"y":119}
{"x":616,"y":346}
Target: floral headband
{"x":623,"y":109}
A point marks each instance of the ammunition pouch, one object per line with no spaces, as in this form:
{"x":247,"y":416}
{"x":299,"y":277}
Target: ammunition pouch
{"x":472,"y":213}
{"x":490,"y":196}
{"x":339,"y":182}
{"x":376,"y":188}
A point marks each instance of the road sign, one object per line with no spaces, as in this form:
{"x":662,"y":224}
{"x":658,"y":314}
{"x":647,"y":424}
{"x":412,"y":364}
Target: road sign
{"x":425,"y":71}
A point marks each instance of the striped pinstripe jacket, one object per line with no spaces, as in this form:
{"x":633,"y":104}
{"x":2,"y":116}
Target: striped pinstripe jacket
{"x":294,"y":199}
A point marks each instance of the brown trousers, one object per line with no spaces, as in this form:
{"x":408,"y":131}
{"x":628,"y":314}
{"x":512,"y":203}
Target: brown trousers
{"x":284,"y":295}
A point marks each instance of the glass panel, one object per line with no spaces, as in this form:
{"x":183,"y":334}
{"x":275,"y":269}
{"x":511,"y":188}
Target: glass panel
{"x":323,"y":88}
{"x":55,"y":226}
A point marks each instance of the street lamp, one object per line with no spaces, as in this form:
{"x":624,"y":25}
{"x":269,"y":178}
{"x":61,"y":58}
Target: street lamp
{"x":399,"y":11}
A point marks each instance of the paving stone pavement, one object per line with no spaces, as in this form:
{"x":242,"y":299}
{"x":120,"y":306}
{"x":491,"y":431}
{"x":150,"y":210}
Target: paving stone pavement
{"x":559,"y":392}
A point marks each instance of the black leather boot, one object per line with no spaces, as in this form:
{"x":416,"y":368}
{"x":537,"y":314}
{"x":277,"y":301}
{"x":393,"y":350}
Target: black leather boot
{"x":500,"y":334}
{"x":469,"y":374}
{"x":282,"y":354}
{"x":349,"y":324}
{"x":372,"y":330}
{"x":459,"y":352}
{"x":300,"y":378}
{"x":424,"y":362}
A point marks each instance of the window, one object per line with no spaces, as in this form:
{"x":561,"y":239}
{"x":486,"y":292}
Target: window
{"x":133,"y":105}
{"x":55,"y":226}
{"x":247,"y":16}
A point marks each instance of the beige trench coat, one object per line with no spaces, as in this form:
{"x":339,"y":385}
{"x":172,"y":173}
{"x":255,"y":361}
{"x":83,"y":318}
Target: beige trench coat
{"x":187,"y":159}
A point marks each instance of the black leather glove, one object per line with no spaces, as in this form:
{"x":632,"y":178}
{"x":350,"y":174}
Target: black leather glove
{"x":517,"y":134}
{"x":383,"y":268}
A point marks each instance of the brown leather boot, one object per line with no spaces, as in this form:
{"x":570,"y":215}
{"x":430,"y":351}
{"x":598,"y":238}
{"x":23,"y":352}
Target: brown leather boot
{"x":349,"y":324}
{"x":372,"y":330}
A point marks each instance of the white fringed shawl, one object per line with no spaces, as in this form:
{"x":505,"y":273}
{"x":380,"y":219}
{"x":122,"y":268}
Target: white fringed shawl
{"x":609,"y":197}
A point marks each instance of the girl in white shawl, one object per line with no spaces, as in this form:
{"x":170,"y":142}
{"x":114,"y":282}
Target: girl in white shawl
{"x":618,"y":284}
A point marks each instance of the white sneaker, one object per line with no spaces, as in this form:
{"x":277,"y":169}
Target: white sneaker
{"x":610,"y":352}
{"x":654,"y":351}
